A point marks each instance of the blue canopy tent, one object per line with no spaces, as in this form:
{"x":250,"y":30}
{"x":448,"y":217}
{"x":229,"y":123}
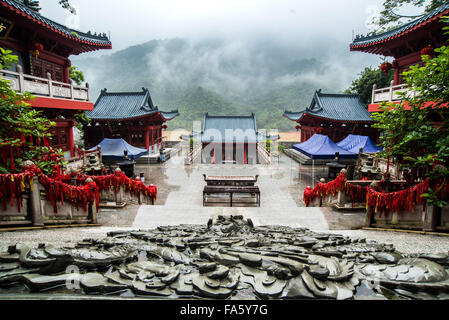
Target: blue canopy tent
{"x":322,"y":147}
{"x":353,"y":143}
{"x":112,"y":149}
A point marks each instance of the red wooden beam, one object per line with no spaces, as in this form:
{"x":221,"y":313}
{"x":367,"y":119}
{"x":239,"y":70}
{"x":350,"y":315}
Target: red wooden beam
{"x":55,"y":103}
{"x":375,"y":107}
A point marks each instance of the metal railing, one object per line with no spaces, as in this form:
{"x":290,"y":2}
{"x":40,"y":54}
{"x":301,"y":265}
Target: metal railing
{"x":44,"y":86}
{"x":391,"y":93}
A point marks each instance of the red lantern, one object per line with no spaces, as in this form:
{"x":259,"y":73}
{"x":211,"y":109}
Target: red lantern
{"x":385,"y":67}
{"x":427,"y":51}
{"x":37,"y":47}
{"x":297,"y":128}
{"x":164,"y":127}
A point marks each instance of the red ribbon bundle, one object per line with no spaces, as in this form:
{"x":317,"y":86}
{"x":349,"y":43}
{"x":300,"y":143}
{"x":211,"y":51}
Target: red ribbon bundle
{"x":324,"y":189}
{"x":404,"y":200}
{"x":115,"y":181}
{"x":355,"y":193}
{"x":78,"y":196}
{"x":12,"y":187}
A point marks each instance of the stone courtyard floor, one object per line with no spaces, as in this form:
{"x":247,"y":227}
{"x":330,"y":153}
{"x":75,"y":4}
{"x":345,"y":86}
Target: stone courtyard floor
{"x":180,"y":202}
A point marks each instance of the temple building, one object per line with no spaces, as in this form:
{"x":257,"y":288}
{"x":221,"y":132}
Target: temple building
{"x":127,"y":115}
{"x":43,"y":48}
{"x":232,"y":140}
{"x":334,"y":115}
{"x":405,"y":44}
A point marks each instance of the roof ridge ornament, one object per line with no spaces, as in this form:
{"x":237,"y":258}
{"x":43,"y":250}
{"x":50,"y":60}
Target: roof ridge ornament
{"x":32,"y":5}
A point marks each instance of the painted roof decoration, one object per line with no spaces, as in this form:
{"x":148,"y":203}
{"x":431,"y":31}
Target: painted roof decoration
{"x":367,"y":41}
{"x":18,"y":7}
{"x":322,"y":147}
{"x":126,"y":105}
{"x":339,"y":107}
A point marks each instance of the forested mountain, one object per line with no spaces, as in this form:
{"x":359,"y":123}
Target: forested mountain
{"x":222,"y":77}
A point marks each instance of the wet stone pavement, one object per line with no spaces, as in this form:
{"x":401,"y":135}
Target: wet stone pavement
{"x":180,"y":203}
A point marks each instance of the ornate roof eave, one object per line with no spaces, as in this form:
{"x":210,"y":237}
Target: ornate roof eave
{"x":92,"y":42}
{"x":164,"y":116}
{"x":369,"y":43}
{"x":308,"y":114}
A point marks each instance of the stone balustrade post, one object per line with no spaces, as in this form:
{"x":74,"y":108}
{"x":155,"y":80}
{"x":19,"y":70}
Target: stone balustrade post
{"x":119,"y":194}
{"x":21,"y":79}
{"x":430,"y":218}
{"x":87,"y":87}
{"x":72,"y":95}
{"x":340,"y":199}
{"x":36,"y":209}
{"x":50,"y":85}
{"x":92,"y":208}
{"x":391,"y":90}
{"x":395,"y":218}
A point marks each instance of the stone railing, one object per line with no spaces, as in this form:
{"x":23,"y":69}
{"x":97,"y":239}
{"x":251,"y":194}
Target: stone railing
{"x":391,"y":93}
{"x":194,"y":154}
{"x":37,"y":211}
{"x":263,"y":153}
{"x":45,"y":87}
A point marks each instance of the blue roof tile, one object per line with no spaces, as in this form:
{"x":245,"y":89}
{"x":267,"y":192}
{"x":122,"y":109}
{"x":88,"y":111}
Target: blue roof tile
{"x":232,"y":129}
{"x":340,"y":107}
{"x":126,"y":105}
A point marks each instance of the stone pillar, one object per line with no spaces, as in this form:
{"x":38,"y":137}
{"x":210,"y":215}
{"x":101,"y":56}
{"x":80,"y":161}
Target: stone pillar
{"x":341,"y":199}
{"x":93,"y":212}
{"x":92,"y":207}
{"x":370,"y":219}
{"x":430,"y":218}
{"x":395,"y":218}
{"x":119,"y":194}
{"x":36,"y":210}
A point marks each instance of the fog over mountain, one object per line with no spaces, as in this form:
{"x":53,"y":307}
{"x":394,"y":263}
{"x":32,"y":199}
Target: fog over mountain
{"x":228,"y":77}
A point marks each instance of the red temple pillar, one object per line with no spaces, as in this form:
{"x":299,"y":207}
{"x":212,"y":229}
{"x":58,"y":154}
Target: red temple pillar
{"x":152,"y":138}
{"x":67,"y":66}
{"x":245,"y":153}
{"x":397,"y":76}
{"x":147,"y":139}
{"x":71,"y":140}
{"x":160,"y":136}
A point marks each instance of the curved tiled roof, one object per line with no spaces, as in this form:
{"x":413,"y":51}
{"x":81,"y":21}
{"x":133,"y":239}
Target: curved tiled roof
{"x":126,"y":105}
{"x":243,"y":128}
{"x":340,"y":107}
{"x":82,"y":38}
{"x":361,"y":42}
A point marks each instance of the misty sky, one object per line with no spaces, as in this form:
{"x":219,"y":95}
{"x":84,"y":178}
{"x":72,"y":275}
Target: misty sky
{"x":137,"y":21}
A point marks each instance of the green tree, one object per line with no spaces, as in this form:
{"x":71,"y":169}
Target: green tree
{"x":20,"y":125}
{"x":363,"y":86}
{"x":417,"y":133}
{"x":391,"y":15}
{"x":76,"y":75}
